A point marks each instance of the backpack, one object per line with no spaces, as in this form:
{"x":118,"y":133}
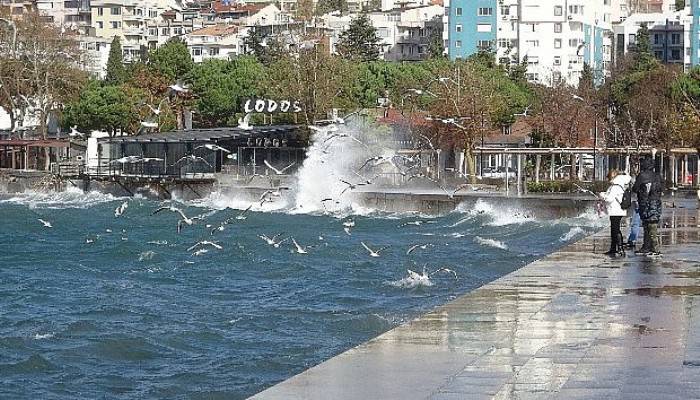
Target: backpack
{"x":626,"y":199}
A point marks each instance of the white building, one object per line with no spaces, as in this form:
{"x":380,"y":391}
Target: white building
{"x":219,"y":41}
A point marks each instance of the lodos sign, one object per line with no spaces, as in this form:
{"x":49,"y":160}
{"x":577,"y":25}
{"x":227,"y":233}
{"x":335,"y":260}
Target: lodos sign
{"x":271,"y":106}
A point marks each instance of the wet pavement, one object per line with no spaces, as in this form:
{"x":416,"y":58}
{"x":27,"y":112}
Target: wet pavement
{"x":574,"y":325}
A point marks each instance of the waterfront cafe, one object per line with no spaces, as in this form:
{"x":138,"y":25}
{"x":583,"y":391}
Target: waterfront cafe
{"x":197,"y":153}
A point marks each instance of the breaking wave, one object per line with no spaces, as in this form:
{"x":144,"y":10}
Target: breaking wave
{"x":491,"y":243}
{"x":72,"y":197}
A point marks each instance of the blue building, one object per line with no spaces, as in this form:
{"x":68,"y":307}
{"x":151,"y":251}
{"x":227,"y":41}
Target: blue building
{"x":472,"y":27}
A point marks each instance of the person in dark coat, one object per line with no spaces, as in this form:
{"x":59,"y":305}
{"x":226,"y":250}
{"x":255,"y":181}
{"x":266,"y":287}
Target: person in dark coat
{"x":648,"y":189}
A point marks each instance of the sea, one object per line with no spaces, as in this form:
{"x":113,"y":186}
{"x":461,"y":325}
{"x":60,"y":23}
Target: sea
{"x":111,"y":302}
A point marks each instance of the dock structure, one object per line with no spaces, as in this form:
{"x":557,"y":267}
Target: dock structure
{"x":573,"y":325}
{"x":189,"y":162}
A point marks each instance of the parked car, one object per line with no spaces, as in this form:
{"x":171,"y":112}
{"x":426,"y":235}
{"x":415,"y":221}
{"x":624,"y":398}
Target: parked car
{"x":499,"y":173}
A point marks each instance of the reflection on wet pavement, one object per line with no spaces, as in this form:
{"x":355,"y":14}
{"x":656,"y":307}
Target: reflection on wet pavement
{"x":574,"y":325}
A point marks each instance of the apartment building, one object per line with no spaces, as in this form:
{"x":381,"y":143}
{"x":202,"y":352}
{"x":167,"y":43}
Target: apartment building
{"x":73,"y":14}
{"x":670,"y":36}
{"x":128,"y":20}
{"x":220,"y":41}
{"x":555,"y":37}
{"x":406,"y":33}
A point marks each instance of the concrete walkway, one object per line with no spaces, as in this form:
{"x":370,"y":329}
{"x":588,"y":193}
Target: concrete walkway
{"x":574,"y":325}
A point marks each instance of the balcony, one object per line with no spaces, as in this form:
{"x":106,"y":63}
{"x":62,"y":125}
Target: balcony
{"x":413,"y":40}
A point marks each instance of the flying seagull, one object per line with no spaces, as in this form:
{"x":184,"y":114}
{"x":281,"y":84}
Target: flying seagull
{"x":185,"y":219}
{"x":205,"y":243}
{"x":191,"y":158}
{"x":212,"y":147}
{"x":300,"y":249}
{"x":119,"y":211}
{"x":418,"y":246}
{"x":278,"y":171}
{"x":373,"y":253}
{"x":244,"y":123}
{"x":46,"y":224}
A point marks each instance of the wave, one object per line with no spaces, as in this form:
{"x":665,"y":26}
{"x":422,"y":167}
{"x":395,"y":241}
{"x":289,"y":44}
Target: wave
{"x":497,"y":215}
{"x":491,"y":243}
{"x":40,"y":336}
{"x":72,"y":197}
{"x":572,"y":233}
{"x":413,"y":280}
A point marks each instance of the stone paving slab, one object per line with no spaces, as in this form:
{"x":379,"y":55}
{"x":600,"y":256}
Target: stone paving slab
{"x":573,"y":325}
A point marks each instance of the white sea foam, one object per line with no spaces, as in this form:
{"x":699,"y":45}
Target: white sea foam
{"x":40,"y":336}
{"x":572,"y":233}
{"x":491,"y":243}
{"x":414,"y":279}
{"x":498,"y":215}
{"x":146,"y":255}
{"x":72,"y":197}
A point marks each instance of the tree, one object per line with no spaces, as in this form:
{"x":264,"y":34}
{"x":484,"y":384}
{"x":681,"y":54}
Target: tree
{"x":221,"y":86}
{"x":305,"y":10}
{"x":680,"y":5}
{"x":172,"y":59}
{"x":360,"y":41}
{"x":465,"y":99}
{"x":110,"y":108}
{"x":116,"y":72}
{"x":266,"y":48}
{"x":47,"y":72}
{"x":326,"y":6}
{"x":318,"y":80}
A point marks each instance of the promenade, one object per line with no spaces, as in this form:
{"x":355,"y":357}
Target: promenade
{"x":574,"y":325}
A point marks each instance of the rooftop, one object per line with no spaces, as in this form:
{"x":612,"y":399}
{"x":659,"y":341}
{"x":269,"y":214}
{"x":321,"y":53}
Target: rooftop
{"x":216,"y":30}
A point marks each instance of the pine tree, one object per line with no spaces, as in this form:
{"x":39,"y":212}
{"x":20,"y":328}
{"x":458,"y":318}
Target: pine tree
{"x":116,"y":73}
{"x":587,"y":80}
{"x":645,"y":60}
{"x":360,"y":41}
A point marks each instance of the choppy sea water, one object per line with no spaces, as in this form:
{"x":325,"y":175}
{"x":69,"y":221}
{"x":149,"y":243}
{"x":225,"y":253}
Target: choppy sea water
{"x":99,"y":306}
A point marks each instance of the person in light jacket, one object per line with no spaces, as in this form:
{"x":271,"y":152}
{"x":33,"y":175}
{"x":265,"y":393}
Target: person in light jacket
{"x":613,"y":199}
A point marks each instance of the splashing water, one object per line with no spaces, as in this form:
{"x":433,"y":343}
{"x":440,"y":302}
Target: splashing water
{"x":491,"y":243}
{"x":572,"y":233}
{"x":72,"y":197}
{"x":414,"y":279}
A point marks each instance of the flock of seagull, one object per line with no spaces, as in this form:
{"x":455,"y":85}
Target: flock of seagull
{"x":203,"y":246}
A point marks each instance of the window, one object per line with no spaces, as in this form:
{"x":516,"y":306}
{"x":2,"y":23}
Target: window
{"x":556,"y":76}
{"x":196,"y":51}
{"x":164,"y":32}
{"x":573,"y":42}
{"x":483,"y":27}
{"x":484,"y":11}
{"x":100,"y":25}
{"x":659,"y":55}
{"x":484,"y":44}
{"x":532,"y":43}
{"x":557,"y":60}
{"x":214,"y":51}
{"x":557,"y":43}
{"x":503,"y":43}
{"x":153,"y":31}
{"x":177,"y":31}
{"x":116,"y":24}
{"x":632,"y":38}
{"x":557,"y":28}
{"x":675,"y":54}
{"x":505,"y":10}
{"x":505,"y":129}
{"x":676,"y":38}
{"x":558,"y":11}
{"x":458,"y":43}
{"x":100,"y":11}
{"x":458,"y":28}
{"x":458,"y":12}
{"x":447,"y":11}
{"x":116,"y":10}
{"x":657,"y":38}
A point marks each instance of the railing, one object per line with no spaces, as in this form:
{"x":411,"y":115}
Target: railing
{"x":151,"y":170}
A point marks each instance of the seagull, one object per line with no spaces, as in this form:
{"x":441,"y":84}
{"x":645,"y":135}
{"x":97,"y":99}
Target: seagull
{"x":278,"y":171}
{"x":74,"y":132}
{"x":300,"y":249}
{"x":451,"y":194}
{"x":350,"y":186}
{"x":524,"y":113}
{"x":200,"y":252}
{"x":373,"y":253}
{"x":120,"y":210}
{"x":450,"y":271}
{"x":266,"y":197}
{"x":343,"y":136}
{"x":240,"y":217}
{"x":244,"y":123}
{"x":347,"y":230}
{"x":191,"y":158}
{"x":126,"y":160}
{"x":418,"y":246}
{"x":179,"y":88}
{"x":205,"y":243}
{"x":185,"y":219}
{"x":46,"y":224}
{"x":349,"y":223}
{"x":212,"y":147}
{"x":270,"y":240}
{"x":149,"y":124}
